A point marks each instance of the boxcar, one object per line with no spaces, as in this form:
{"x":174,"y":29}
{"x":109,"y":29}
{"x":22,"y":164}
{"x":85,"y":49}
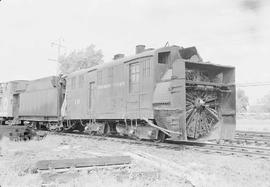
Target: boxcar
{"x":154,"y":94}
{"x":10,"y":99}
{"x":41,"y":102}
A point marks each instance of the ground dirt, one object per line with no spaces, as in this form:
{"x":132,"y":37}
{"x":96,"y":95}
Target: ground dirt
{"x":151,"y":166}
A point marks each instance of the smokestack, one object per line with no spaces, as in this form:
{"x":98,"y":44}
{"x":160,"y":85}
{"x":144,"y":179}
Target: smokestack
{"x":118,"y":56}
{"x":140,"y":48}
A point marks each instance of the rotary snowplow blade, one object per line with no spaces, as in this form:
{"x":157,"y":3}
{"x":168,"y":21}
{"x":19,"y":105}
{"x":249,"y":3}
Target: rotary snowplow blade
{"x":197,"y":102}
{"x":210,"y":101}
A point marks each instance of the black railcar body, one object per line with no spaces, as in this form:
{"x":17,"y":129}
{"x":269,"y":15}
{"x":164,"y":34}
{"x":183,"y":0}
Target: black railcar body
{"x":10,"y":100}
{"x":154,"y":94}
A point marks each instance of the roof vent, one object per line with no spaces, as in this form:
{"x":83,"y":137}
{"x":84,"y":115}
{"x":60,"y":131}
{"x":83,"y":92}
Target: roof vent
{"x":118,"y":56}
{"x":140,"y":48}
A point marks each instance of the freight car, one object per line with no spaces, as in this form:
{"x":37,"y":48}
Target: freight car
{"x":154,"y":94}
{"x":40,"y":103}
{"x":10,"y":99}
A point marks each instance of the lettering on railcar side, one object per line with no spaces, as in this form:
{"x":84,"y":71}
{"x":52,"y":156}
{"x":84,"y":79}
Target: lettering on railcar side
{"x":118,"y":84}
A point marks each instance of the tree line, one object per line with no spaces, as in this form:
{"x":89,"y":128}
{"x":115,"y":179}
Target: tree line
{"x":80,"y":59}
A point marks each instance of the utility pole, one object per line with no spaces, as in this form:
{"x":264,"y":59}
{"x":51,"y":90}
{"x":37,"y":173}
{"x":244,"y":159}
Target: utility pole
{"x":59,"y":46}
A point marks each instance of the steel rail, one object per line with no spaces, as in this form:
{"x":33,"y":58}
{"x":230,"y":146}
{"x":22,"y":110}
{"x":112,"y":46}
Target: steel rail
{"x":182,"y":145}
{"x":257,"y":133}
{"x":256,"y":137}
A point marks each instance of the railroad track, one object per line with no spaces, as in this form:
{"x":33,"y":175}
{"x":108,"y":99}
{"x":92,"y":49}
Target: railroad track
{"x":231,"y":149}
{"x":205,"y":147}
{"x":253,"y":134}
{"x":252,"y":138}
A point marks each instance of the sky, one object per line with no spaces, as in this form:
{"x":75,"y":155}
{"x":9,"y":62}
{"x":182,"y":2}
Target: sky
{"x":228,"y":32}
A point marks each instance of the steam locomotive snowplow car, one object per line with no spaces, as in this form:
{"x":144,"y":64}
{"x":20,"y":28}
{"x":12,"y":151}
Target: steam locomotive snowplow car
{"x":9,"y":100}
{"x":41,"y":103}
{"x":155,"y":94}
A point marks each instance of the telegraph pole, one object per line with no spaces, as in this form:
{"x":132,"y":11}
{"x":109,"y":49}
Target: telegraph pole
{"x":59,"y":46}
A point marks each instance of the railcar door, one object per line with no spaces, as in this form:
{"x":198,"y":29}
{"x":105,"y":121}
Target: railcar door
{"x":133,"y":89}
{"x":91,"y":97}
{"x":146,"y":87}
{"x":16,"y":103}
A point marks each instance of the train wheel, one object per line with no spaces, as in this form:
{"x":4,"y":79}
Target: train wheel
{"x":161,"y":137}
{"x":80,"y":128}
{"x":69,"y":127}
{"x":36,"y":125}
{"x":106,"y":129}
{"x":113,"y":128}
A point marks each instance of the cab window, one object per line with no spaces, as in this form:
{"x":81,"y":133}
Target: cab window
{"x":134,"y":73}
{"x":73,"y":82}
{"x":146,"y":68}
{"x":163,"y":57}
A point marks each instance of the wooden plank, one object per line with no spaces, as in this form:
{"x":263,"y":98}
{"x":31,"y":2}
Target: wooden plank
{"x":82,"y":162}
{"x":94,"y":168}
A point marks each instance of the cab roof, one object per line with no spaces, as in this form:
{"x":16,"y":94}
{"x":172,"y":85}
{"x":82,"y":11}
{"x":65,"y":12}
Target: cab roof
{"x":146,"y":53}
{"x":113,"y":62}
